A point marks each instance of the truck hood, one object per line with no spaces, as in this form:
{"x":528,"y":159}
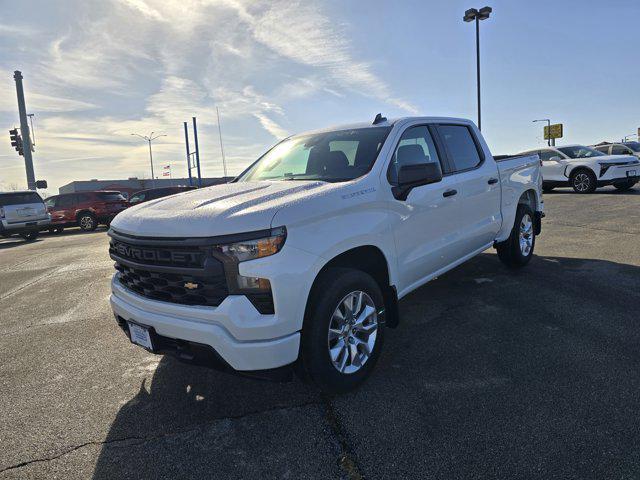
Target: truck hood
{"x":218,"y":210}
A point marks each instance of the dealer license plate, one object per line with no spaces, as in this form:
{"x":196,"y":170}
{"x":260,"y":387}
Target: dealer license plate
{"x":140,"y":335}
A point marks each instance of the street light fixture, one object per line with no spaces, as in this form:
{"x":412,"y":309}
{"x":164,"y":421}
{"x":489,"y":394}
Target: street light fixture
{"x":150,"y":138}
{"x":630,"y":135}
{"x":477,"y":15}
{"x":549,"y":124}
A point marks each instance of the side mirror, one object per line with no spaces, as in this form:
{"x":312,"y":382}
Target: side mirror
{"x":411,"y":176}
{"x":555,"y":159}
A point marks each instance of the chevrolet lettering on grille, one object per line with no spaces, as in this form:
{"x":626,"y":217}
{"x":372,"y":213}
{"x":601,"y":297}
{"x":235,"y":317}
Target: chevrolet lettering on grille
{"x":156,"y":255}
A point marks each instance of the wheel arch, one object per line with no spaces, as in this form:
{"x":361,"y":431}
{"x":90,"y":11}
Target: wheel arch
{"x":369,"y":259}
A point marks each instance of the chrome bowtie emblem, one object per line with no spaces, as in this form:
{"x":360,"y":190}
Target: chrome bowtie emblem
{"x":191,"y":286}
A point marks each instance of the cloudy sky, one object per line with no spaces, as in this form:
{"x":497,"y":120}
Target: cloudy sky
{"x":98,"y":70}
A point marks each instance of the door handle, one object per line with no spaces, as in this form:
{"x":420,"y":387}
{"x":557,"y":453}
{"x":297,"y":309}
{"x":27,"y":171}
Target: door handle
{"x":492,"y":181}
{"x":449,"y":193}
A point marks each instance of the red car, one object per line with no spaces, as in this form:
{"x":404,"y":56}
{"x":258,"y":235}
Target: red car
{"x":84,"y":209}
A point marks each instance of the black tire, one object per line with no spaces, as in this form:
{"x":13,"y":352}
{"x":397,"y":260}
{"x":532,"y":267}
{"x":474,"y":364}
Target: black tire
{"x":623,"y":187}
{"x":547,"y":188}
{"x":30,"y":236}
{"x":327,"y":295}
{"x":59,"y":229}
{"x":583,"y":181}
{"x":87,"y":222}
{"x":509,"y":251}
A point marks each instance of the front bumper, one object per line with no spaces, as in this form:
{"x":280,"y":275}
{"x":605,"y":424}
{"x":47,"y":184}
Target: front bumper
{"x":20,"y":227}
{"x":234,"y":330}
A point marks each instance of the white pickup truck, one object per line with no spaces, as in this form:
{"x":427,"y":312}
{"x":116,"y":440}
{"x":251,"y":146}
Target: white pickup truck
{"x":301,"y":260}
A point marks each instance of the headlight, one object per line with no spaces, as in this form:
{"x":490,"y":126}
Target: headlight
{"x":255,"y":248}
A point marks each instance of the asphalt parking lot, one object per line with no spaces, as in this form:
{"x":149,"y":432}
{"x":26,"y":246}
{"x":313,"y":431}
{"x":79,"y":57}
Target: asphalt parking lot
{"x":492,"y":373}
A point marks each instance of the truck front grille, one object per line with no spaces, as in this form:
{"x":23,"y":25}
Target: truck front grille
{"x":182,"y":274}
{"x":174,"y":288}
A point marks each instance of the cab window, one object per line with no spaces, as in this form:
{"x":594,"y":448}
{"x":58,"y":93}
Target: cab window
{"x":461,"y":146}
{"x":415,"y":147}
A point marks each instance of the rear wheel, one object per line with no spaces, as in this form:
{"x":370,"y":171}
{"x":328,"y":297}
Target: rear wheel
{"x":342,"y":334}
{"x":583,"y":181}
{"x":30,"y":236}
{"x":87,"y":222}
{"x":623,"y":187}
{"x":517,"y":250}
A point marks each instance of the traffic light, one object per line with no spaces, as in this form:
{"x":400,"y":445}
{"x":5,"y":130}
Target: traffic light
{"x":16,"y":141}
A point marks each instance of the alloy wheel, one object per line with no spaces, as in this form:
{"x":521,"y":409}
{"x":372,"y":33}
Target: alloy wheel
{"x":352,"y":332}
{"x":582,"y":182}
{"x":526,"y":235}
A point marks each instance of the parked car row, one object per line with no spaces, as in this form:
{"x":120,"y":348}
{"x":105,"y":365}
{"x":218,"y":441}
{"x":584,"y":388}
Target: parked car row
{"x":586,"y":168}
{"x":24,"y":213}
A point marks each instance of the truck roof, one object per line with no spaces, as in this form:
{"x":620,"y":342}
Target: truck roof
{"x":385,"y":123}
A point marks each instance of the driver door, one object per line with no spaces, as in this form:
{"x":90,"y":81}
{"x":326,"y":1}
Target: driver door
{"x":427,"y":222}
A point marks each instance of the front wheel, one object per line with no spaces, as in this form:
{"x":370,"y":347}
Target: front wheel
{"x":584,"y":181}
{"x":517,"y":250}
{"x":342,"y":334}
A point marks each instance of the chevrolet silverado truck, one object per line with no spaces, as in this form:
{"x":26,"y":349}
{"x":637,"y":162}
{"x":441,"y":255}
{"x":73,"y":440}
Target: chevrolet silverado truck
{"x":299,"y":263}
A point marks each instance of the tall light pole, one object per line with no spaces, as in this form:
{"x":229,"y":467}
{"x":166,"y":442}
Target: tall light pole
{"x":477,"y":15}
{"x":549,"y":125}
{"x":150,"y":138}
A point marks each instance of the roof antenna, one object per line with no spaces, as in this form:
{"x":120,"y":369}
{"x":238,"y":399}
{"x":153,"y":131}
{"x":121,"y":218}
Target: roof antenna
{"x":379,"y":119}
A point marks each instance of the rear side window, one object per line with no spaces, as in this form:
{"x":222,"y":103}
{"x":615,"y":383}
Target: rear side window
{"x":19,"y":198}
{"x":604,"y":149}
{"x":110,"y":196}
{"x":546,"y":155}
{"x":415,"y":147}
{"x":66,"y":201}
{"x":619,"y":150}
{"x":461,"y":147}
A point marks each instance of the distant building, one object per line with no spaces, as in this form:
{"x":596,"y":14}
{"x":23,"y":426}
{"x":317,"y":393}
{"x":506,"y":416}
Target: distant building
{"x":134,"y":184}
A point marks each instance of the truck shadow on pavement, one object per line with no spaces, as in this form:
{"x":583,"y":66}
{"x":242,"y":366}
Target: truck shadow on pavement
{"x":491,"y":373}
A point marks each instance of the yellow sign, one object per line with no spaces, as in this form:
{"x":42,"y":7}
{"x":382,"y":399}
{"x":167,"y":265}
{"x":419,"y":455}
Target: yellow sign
{"x":553,"y":131}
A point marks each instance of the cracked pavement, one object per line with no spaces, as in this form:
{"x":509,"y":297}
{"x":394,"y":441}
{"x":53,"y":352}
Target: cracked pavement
{"x":492,"y":373}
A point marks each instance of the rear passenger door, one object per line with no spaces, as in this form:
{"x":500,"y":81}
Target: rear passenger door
{"x":478,"y":188}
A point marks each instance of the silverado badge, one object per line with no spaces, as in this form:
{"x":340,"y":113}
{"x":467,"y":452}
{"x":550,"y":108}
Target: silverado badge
{"x":191,"y":286}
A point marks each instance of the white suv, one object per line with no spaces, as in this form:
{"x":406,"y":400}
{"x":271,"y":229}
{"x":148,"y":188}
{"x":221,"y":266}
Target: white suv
{"x":623,"y":148}
{"x":22,"y":213}
{"x":302,"y":259}
{"x":585,"y":168}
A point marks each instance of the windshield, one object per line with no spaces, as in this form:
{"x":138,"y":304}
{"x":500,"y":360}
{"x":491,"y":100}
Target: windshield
{"x":580,"y":151}
{"x":328,"y":156}
{"x":19,"y":198}
{"x":635,"y":146}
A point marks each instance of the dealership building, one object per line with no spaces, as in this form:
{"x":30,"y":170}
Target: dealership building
{"x":134,"y":184}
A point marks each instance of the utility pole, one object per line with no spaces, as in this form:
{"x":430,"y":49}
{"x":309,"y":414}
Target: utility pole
{"x":24,"y":130}
{"x":224,"y":163}
{"x":186,"y":142}
{"x":550,"y":142}
{"x":477,"y":15}
{"x":150,"y":138}
{"x":195,"y":140}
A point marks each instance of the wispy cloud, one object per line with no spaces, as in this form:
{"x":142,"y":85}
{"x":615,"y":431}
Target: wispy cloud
{"x":142,"y":65}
